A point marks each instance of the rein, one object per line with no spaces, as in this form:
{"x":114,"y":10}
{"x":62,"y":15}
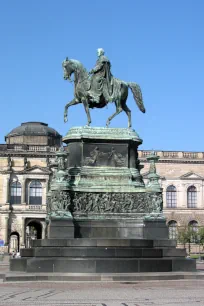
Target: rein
{"x":81,"y":81}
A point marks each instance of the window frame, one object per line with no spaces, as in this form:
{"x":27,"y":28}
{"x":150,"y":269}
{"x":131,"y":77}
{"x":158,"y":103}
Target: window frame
{"x":171,"y":197}
{"x":35,"y":193}
{"x":192,"y":197}
{"x":15,"y":192}
{"x":173,"y":229}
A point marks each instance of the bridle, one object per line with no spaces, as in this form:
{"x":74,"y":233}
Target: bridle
{"x":78,"y":81}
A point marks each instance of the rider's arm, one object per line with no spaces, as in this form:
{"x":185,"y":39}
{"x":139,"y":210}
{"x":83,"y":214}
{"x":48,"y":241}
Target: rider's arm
{"x":97,"y":68}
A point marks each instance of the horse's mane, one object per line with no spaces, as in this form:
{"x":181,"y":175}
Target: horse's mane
{"x":79,"y":65}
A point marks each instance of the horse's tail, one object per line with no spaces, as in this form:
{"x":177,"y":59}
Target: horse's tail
{"x":137,"y":94}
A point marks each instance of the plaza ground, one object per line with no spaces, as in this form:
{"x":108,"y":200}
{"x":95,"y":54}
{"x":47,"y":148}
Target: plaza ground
{"x":164,"y":293}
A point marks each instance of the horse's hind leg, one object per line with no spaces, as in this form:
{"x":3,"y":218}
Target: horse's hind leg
{"x":73,"y":102}
{"x":118,"y":111}
{"x":128,"y":112}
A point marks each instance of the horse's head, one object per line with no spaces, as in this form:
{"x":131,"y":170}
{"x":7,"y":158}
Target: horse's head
{"x":68,"y":68}
{"x":73,"y":66}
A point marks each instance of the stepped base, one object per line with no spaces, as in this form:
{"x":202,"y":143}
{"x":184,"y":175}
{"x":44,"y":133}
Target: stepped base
{"x":102,"y":265}
{"x":102,"y":256}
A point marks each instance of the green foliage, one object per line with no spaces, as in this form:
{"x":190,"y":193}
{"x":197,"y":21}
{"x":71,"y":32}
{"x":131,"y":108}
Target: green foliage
{"x":186,"y":235}
{"x":201,"y":235}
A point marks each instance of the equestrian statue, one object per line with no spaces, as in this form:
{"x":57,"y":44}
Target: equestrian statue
{"x":98,"y":87}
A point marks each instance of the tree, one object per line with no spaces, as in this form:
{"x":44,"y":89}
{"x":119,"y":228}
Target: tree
{"x":188,"y":235}
{"x":201,"y":236}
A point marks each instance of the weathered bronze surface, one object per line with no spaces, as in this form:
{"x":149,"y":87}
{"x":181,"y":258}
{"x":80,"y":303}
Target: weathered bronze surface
{"x":99,"y":87}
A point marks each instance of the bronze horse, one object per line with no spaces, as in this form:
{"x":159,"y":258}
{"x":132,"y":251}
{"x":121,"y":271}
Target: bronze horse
{"x":82,"y":84}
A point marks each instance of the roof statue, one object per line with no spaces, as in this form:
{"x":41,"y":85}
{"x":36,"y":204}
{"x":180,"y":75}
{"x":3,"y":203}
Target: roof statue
{"x":99,"y":87}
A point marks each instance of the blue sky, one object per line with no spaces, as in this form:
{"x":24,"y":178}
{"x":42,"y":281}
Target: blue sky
{"x":157,"y":44}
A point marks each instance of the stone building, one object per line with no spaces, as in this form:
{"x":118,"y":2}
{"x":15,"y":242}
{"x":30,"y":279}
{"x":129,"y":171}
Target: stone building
{"x":25,"y":172}
{"x":182,"y":179}
{"x":24,"y":178}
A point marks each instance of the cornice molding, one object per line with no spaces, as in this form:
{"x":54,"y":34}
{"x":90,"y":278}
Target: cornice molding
{"x":27,"y":154}
{"x":173,"y":161}
{"x":45,"y":171}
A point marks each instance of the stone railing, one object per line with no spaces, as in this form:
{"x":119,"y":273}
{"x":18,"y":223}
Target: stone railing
{"x":37,"y":148}
{"x":190,"y":154}
{"x":31,"y":148}
{"x":172,"y":154}
{"x":145,"y":153}
{"x":35,"y":207}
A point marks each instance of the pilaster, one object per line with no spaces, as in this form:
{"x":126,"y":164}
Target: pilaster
{"x":23,"y":192}
{"x":22,"y":240}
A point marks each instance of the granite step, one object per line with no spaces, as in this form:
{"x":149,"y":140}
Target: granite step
{"x":101,"y":242}
{"x":112,"y":252}
{"x":101,"y":265}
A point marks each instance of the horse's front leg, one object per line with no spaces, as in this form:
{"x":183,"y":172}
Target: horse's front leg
{"x":86,"y":107}
{"x":73,"y":102}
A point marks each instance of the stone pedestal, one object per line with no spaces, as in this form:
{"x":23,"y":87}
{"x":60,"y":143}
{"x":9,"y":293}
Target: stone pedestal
{"x":60,"y":228}
{"x":155,"y":228}
{"x":104,"y":159}
{"x":111,"y":223}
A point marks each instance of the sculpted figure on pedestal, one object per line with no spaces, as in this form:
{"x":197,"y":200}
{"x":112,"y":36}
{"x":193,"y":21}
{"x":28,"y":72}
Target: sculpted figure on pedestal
{"x":101,"y":79}
{"x":101,"y":88}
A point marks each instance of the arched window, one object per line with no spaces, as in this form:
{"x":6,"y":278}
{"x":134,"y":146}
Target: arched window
{"x":171,"y":196}
{"x":191,"y":197}
{"x":35,"y":193}
{"x":15,"y":195}
{"x":194,"y":227}
{"x":173,"y":232}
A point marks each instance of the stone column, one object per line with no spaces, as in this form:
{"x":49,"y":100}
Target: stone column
{"x":7,"y":191}
{"x":182,"y":196}
{"x":23,"y":192}
{"x":46,"y":192}
{"x":43,"y":229}
{"x":6,"y":224}
{"x":22,"y":239}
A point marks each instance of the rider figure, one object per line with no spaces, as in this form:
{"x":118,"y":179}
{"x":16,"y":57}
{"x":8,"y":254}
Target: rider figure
{"x":102,"y":79}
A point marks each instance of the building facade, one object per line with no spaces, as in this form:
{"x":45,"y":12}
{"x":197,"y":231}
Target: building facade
{"x":182,"y":179}
{"x":24,"y":177}
{"x":25,"y":172}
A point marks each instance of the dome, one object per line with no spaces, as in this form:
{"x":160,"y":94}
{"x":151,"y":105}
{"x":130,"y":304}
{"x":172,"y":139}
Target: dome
{"x":29,"y":132}
{"x":33,"y":129}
